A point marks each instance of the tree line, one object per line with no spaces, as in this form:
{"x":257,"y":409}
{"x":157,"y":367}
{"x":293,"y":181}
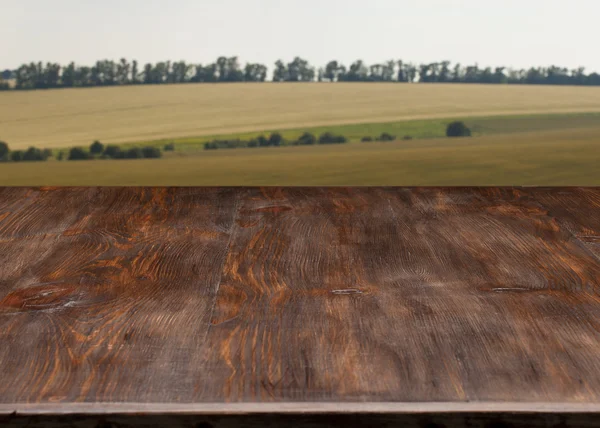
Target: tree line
{"x":96,"y":150}
{"x":229,"y":69}
{"x":276,"y":140}
{"x":453,"y":129}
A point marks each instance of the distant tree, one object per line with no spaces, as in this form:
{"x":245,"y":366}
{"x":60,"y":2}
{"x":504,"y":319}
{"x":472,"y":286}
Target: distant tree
{"x":69,"y":76}
{"x":407,"y":138}
{"x":411,"y":72}
{"x":222,"y":68}
{"x":123,"y":70}
{"x":472,"y":74}
{"x":83,"y":76}
{"x":331,"y":71}
{"x":275,"y":139}
{"x":334,"y":71}
{"x":77,"y":153}
{"x":134,"y":72}
{"x":61,"y":156}
{"x":366,"y":139}
{"x":376,"y":73}
{"x":262,"y":141}
{"x":320,"y":74}
{"x":112,"y":151}
{"x":234,"y":73}
{"x":253,"y":143}
{"x":499,"y":76}
{"x":386,"y":137}
{"x":4,"y":150}
{"x":47,"y":153}
{"x":280,"y":74}
{"x":458,"y":129}
{"x":457,"y":74}
{"x":96,"y":148}
{"x":151,"y":152}
{"x":34,"y":154}
{"x":255,"y":73}
{"x":205,"y":74}
{"x":134,"y":153}
{"x":16,"y":156}
{"x":358,"y":72}
{"x":444,"y":74}
{"x":148,"y":74}
{"x":50,"y":76}
{"x":329,"y":138}
{"x":169,"y":147}
{"x":307,"y":139}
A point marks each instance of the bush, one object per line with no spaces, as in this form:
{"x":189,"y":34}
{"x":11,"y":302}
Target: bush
{"x":96,"y":148}
{"x":253,"y":143}
{"x":329,"y":138}
{"x":113,"y":152}
{"x":307,"y":139}
{"x":458,"y":129}
{"x":48,"y":153}
{"x":387,"y":137}
{"x":134,"y":153}
{"x":61,"y":155}
{"x":34,"y":154}
{"x":3,"y":150}
{"x":151,"y":152}
{"x":169,"y":147}
{"x":77,"y":153}
{"x":407,"y":138}
{"x":262,"y":141}
{"x":275,"y":139}
{"x":366,"y":139}
{"x":225,"y":144}
{"x":16,"y":156}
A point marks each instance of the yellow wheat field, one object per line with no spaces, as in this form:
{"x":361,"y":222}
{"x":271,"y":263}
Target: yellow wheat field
{"x":69,"y":117}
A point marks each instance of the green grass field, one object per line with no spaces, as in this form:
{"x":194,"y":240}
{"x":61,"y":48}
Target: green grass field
{"x":555,"y":157}
{"x":419,"y":129}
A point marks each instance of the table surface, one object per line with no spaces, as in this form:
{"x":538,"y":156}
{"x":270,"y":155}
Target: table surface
{"x":323,"y":299}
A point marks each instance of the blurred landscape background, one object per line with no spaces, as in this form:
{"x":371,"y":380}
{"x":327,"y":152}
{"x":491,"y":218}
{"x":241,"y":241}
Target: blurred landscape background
{"x":226,"y":121}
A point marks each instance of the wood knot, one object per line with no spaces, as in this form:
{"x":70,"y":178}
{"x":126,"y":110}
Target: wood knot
{"x":40,"y":297}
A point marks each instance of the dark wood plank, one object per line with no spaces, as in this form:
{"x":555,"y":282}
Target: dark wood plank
{"x":576,"y":209}
{"x":105,"y":294}
{"x":208,"y":296}
{"x":403,"y":295}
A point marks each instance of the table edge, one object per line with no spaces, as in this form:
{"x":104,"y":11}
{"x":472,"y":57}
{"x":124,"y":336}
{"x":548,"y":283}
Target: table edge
{"x":297,"y":407}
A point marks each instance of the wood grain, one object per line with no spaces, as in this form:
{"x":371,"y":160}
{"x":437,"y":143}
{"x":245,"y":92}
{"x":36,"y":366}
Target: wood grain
{"x":577,"y":211}
{"x":112,"y":303}
{"x":201,"y":296}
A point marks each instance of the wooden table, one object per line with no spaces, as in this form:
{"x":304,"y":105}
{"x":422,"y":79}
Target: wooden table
{"x":200,"y":301}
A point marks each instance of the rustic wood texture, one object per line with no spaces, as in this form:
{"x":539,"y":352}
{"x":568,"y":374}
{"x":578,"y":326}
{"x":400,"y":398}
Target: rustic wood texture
{"x":299,"y":295}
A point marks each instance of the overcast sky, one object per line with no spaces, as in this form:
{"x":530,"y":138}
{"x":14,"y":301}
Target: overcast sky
{"x":517,"y":33}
